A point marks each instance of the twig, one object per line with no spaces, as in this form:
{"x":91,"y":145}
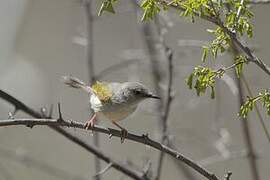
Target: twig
{"x":104,"y":170}
{"x":94,"y":150}
{"x":228,"y":175}
{"x":90,"y":57}
{"x":40,"y":165}
{"x":256,"y":109}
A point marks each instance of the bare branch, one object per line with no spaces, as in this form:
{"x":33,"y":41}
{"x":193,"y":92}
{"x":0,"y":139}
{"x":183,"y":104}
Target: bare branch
{"x":94,"y":150}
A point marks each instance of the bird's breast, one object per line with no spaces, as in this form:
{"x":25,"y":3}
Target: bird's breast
{"x":119,"y":113}
{"x":113,"y":111}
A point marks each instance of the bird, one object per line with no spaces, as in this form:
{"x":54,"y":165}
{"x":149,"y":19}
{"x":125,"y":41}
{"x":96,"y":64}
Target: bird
{"x":115,"y":100}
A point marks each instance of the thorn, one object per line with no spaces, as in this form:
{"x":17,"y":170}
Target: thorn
{"x":228,"y":175}
{"x":110,"y":134}
{"x":30,"y":126}
{"x":145,"y":136}
{"x":178,"y":156}
{"x":43,"y":111}
{"x":10,"y":115}
{"x":59,"y":113}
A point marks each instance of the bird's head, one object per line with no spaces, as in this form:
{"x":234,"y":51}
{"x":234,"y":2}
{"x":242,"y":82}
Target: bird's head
{"x":137,"y":92}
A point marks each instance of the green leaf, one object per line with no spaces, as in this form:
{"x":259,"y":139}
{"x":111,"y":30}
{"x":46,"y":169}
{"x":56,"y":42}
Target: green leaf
{"x":190,"y":81}
{"x":151,"y":9}
{"x":213,"y":94}
{"x":204,"y":78}
{"x":239,"y":61}
{"x":106,"y":5}
{"x":205,"y":53}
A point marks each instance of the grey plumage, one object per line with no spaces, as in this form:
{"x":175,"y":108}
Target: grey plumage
{"x":124,"y":100}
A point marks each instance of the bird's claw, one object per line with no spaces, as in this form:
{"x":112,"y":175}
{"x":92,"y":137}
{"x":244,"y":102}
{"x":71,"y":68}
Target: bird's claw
{"x":91,"y":122}
{"x":123,"y":135}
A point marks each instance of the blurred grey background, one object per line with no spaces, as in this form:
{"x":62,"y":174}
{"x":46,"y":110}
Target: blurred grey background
{"x":42,"y":40}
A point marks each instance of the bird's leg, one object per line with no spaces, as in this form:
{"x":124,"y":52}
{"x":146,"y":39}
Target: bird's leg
{"x":124,"y":132}
{"x":91,"y":122}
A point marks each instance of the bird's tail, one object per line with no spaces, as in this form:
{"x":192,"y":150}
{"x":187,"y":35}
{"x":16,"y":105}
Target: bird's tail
{"x":76,"y":83}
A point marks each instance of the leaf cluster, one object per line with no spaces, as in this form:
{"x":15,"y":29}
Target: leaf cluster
{"x":248,"y":106}
{"x":204,"y":78}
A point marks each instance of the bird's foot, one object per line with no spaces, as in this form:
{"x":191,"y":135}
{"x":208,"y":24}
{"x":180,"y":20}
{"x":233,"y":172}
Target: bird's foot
{"x":91,"y":122}
{"x":123,"y":135}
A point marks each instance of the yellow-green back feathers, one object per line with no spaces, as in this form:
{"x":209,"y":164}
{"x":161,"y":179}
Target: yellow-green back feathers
{"x":102,"y":91}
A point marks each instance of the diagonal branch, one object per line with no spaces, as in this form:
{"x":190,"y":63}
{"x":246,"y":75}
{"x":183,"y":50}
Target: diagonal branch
{"x":94,"y":150}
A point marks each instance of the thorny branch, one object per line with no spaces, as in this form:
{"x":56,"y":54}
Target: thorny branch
{"x":94,"y":150}
{"x":143,"y":139}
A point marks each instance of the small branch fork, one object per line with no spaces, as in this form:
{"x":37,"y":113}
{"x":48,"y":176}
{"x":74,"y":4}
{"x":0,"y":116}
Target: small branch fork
{"x":143,"y":139}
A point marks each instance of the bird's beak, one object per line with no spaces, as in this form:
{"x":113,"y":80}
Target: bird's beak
{"x":153,"y":96}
